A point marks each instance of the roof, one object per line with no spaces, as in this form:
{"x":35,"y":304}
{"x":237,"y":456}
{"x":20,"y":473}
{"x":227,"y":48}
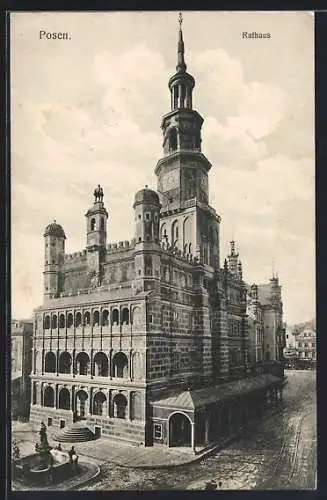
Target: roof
{"x":54,"y":229}
{"x":146,"y":195}
{"x":194,"y":399}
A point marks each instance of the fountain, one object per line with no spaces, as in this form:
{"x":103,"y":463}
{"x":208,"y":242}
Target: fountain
{"x":46,"y":466}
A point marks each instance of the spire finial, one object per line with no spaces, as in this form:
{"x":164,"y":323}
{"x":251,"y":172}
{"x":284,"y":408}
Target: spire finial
{"x":181,"y":66}
{"x":180,"y":20}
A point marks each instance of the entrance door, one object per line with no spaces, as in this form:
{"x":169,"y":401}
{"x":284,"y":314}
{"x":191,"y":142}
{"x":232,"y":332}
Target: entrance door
{"x":180,"y":433}
{"x":97,"y":431}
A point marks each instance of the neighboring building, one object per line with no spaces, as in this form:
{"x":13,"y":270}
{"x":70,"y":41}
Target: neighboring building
{"x":21,"y":364}
{"x":306,"y":344}
{"x":143,"y":340}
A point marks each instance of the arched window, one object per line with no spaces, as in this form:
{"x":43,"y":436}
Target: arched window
{"x":54,"y":321}
{"x":96,"y":318}
{"x":101,"y":365}
{"x":120,"y":365}
{"x":78,"y":320}
{"x":65,"y":362}
{"x":48,"y":397}
{"x":102,"y":224}
{"x":47,"y":322}
{"x":98,"y":403}
{"x":50,"y":362}
{"x":93,"y":225}
{"x":115,"y":317}
{"x":87,"y":318}
{"x":62,"y":321}
{"x":137,"y":366}
{"x":120,"y":404}
{"x":105,"y":317}
{"x":174,"y":233}
{"x":70,"y":320}
{"x":125,"y":316}
{"x":64,"y":399}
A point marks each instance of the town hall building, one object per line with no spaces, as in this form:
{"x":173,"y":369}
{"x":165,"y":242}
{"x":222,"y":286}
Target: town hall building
{"x":155,"y":340}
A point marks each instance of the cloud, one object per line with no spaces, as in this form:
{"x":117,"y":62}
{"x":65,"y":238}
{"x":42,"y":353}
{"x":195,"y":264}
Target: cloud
{"x":99,"y":122}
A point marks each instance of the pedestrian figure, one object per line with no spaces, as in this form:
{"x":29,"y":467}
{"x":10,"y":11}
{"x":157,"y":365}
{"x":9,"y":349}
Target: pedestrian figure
{"x":71,"y":453}
{"x":211,"y":485}
{"x":220,"y":484}
{"x":59,"y":447}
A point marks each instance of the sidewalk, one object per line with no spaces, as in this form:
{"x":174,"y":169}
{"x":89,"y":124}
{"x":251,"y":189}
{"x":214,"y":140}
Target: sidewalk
{"x":125,"y":455}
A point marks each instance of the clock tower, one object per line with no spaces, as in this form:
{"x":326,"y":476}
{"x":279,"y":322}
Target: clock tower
{"x":187,"y":220}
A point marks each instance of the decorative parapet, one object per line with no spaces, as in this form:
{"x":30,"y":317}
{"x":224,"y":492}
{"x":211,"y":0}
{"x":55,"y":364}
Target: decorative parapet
{"x":75,"y":256}
{"x":121,"y":246}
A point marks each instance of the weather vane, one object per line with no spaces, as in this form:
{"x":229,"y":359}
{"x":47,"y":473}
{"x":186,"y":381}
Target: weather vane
{"x":180,"y":19}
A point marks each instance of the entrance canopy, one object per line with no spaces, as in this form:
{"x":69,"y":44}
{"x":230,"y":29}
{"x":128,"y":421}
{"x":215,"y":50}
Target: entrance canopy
{"x":198,"y":398}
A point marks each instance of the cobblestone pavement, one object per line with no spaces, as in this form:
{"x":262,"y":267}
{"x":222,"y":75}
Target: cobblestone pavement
{"x":276,"y":453}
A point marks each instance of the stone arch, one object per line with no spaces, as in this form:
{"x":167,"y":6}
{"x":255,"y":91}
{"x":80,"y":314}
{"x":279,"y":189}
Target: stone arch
{"x":98,"y":404}
{"x":180,"y":429}
{"x":120,"y":365}
{"x":46,"y":322}
{"x":96,"y":318}
{"x":101,"y":364}
{"x":120,"y":406}
{"x":87,"y":318}
{"x":62,"y":321}
{"x":50,"y":362}
{"x":125,"y":316}
{"x":70,"y":320}
{"x":54,"y":322}
{"x":64,"y":399}
{"x":48,"y":396}
{"x":78,"y":319}
{"x":65,"y":362}
{"x":115,"y":317}
{"x":80,"y":404}
{"x":105,"y":317}
{"x":82,"y":363}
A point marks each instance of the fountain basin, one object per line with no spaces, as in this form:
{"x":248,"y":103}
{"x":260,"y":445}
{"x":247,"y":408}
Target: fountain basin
{"x":36,"y":468}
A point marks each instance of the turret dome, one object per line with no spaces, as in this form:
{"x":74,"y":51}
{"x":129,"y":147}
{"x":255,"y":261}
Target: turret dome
{"x":146,"y":195}
{"x":54,"y":229}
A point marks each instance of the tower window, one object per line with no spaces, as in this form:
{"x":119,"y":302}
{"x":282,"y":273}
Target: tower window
{"x":102,"y":224}
{"x":140,"y":217}
{"x":172,"y":140}
{"x":93,"y":224}
{"x":147,"y":216}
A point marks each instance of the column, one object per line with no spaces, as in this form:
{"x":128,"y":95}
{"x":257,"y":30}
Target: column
{"x":206,"y":429}
{"x":192,"y":437}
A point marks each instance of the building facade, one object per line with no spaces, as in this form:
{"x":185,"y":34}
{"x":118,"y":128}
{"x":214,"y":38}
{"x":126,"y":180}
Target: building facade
{"x":147,"y":340}
{"x":21,"y":366}
{"x":306,"y":345}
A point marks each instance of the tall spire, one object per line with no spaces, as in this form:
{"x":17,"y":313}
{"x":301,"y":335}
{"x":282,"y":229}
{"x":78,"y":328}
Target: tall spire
{"x":181,"y":66}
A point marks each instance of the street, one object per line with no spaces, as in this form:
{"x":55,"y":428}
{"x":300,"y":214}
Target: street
{"x":276,"y":453}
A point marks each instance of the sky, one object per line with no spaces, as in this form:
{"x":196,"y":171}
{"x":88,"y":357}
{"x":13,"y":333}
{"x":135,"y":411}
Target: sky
{"x":87,"y":111}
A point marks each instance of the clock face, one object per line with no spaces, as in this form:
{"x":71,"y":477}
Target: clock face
{"x":170,"y":180}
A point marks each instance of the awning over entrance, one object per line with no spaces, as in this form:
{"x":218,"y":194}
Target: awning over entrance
{"x":198,"y":398}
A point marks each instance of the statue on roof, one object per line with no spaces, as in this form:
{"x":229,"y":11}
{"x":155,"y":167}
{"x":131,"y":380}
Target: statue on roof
{"x":98,"y":194}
